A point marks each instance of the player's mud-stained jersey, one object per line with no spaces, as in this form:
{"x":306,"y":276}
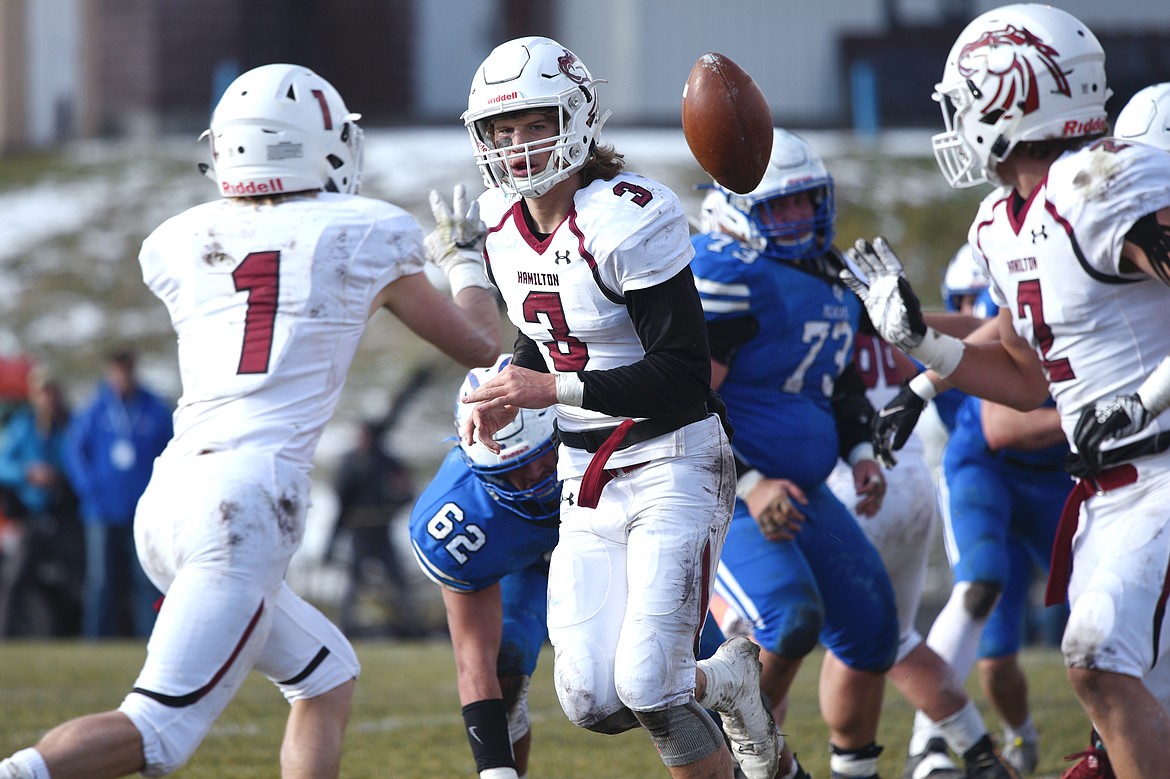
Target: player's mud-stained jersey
{"x":781,"y":380}
{"x":269,"y":303}
{"x":1055,"y":264}
{"x":566,"y":291}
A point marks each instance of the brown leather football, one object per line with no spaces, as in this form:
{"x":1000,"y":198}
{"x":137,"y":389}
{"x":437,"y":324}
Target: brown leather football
{"x":727,"y":122}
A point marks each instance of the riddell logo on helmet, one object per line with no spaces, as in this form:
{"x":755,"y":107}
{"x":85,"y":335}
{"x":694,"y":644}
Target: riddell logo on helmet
{"x":1092,"y":127}
{"x":503,"y":98}
{"x":270,"y":187}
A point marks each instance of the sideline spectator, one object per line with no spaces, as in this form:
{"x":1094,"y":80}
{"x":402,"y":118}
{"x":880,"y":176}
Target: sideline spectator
{"x":40,"y":575}
{"x":372,"y":485}
{"x":110,"y":451}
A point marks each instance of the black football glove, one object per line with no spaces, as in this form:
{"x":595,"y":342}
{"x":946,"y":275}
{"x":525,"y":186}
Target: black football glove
{"x":894,"y":423}
{"x":1107,"y":420}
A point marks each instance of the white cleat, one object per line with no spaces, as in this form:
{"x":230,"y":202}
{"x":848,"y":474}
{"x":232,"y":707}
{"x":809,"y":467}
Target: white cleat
{"x":747,"y":723}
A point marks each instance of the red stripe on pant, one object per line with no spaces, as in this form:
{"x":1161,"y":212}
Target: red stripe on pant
{"x":1070,"y":516}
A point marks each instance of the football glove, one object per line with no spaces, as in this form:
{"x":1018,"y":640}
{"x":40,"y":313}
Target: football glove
{"x":894,"y":308}
{"x":1107,"y":420}
{"x":458,"y":234}
{"x":890,"y":301}
{"x":894,"y":423}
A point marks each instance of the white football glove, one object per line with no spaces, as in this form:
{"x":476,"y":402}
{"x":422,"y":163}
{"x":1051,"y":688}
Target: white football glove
{"x":890,"y":301}
{"x":894,"y":308}
{"x":455,"y":246}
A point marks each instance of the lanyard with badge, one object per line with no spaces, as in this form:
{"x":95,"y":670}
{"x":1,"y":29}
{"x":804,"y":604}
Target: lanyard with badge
{"x":123,"y":454}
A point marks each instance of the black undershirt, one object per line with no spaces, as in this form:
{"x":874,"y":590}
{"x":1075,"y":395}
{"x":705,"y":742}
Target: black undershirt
{"x":673,"y":377}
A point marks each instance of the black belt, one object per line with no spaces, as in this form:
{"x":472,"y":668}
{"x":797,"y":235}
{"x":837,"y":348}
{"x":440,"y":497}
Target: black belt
{"x":1154,"y":444}
{"x":591,"y":440}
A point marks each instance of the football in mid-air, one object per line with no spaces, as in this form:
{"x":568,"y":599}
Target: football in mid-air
{"x":727,"y":122}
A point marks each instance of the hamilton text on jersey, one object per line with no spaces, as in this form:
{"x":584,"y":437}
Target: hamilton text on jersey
{"x":538,"y":279}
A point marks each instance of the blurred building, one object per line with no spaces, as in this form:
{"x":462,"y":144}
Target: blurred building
{"x":87,"y":68}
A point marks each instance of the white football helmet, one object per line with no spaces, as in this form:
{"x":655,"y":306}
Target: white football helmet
{"x":1024,"y":72}
{"x":964,"y":276}
{"x":530,"y":436}
{"x":793,"y":167}
{"x":528,"y":74}
{"x":282,"y":128}
{"x":1146,"y":117}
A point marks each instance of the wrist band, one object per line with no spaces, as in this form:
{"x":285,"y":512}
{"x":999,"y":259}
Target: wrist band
{"x":863,"y":451}
{"x":746,"y":482}
{"x":923,"y":387}
{"x":940,"y":352}
{"x":570,"y":389}
{"x":468,"y":273}
{"x":1155,"y":390}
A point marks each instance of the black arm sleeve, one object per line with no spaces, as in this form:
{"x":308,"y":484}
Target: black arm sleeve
{"x":526,"y":354}
{"x":675,"y":375}
{"x":727,"y":335}
{"x":851,"y":409}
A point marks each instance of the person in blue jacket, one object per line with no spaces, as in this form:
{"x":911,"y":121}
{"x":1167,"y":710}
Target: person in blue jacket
{"x":40,"y":574}
{"x":110,"y":450}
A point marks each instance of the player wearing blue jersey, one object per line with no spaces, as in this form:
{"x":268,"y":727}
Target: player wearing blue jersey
{"x":782,"y":329}
{"x":795,"y":564}
{"x":483,"y":530}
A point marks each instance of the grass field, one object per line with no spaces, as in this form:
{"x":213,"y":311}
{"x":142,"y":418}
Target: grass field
{"x":406,"y":723}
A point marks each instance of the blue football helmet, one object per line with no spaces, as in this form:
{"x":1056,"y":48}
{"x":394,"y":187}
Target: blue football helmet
{"x":793,"y":168}
{"x":529,"y":437}
{"x":965,"y":277}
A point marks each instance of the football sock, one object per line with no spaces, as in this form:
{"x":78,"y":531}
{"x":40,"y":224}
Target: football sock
{"x":854,"y":762}
{"x":486,"y":723}
{"x":963,"y":729}
{"x":1025,"y":732}
{"x":25,"y":764}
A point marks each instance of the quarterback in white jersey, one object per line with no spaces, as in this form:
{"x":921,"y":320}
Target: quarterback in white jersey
{"x":269,"y":290}
{"x":592,"y":263}
{"x":1077,"y":246}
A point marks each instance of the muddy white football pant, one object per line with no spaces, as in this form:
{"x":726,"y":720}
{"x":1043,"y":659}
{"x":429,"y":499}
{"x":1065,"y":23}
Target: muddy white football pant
{"x":215,"y":533}
{"x":902,"y":531}
{"x":630,"y":581}
{"x":1119,"y":586}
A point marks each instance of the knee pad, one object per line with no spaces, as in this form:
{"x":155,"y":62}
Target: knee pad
{"x":619,"y":722}
{"x":980,"y":598}
{"x":682,"y":734}
{"x":515,"y":690}
{"x":583,"y":684}
{"x":907,"y":643}
{"x":165,"y":750}
{"x":799,"y":632}
{"x":331,"y":667}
